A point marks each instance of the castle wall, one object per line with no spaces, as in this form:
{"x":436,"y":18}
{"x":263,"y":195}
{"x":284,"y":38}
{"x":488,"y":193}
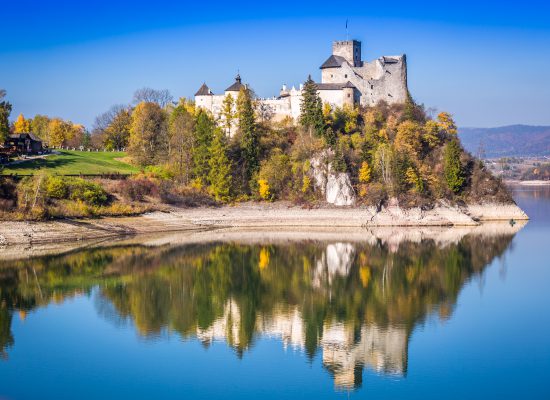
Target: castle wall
{"x":384,"y":79}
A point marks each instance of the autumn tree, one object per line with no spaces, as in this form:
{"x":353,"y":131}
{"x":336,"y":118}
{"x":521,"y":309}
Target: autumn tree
{"x":22,"y":125}
{"x":447,"y":124}
{"x":311,"y":109}
{"x":39,"y":126}
{"x":204,"y":135}
{"x":148,"y":95}
{"x":249,"y":134}
{"x":148,"y":141}
{"x":117,"y":132}
{"x":181,"y":142}
{"x":409,"y":138}
{"x":453,"y":169}
{"x":228,"y":113}
{"x":219,"y":175}
{"x":5,"y":110}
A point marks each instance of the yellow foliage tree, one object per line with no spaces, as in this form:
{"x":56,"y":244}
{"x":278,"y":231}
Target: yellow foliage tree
{"x":22,"y":125}
{"x":365,"y":172}
{"x":431,"y":134}
{"x":408,"y":138}
{"x":447,"y":123}
{"x":263,"y":189}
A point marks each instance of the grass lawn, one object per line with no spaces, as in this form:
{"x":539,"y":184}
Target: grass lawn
{"x":74,"y":162}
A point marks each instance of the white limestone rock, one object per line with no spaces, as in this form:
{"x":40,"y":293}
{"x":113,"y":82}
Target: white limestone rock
{"x":339,"y":190}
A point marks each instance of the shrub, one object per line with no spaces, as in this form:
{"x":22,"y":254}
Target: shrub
{"x":275,"y":173}
{"x":135,"y":189}
{"x":89,"y":192}
{"x":56,"y":187}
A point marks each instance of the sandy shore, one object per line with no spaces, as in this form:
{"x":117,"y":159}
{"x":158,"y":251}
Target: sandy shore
{"x":249,"y":215}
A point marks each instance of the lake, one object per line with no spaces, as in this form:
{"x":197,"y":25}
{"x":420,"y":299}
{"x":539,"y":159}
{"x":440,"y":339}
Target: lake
{"x":393,"y":313}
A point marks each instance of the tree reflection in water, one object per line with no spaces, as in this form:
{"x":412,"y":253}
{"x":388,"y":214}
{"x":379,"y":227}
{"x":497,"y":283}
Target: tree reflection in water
{"x":356,"y":303}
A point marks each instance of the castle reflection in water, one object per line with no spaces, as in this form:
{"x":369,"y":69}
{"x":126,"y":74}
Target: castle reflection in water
{"x":356,"y":302}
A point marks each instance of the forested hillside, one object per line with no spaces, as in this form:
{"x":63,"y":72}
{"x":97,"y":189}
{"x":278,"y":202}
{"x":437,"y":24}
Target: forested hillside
{"x":507,"y":141}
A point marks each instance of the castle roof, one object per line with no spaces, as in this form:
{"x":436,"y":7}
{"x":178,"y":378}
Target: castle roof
{"x":333,"y":62}
{"x":235,"y":87}
{"x":204,"y":91}
{"x":334,"y":86}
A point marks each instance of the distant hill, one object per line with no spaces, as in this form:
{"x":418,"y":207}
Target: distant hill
{"x":507,"y":141}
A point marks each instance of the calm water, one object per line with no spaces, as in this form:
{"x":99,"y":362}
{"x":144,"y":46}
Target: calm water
{"x":446,"y":318}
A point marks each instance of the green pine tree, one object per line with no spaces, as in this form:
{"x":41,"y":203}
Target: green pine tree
{"x":311,"y":109}
{"x":204,"y":134}
{"x":5,"y":110}
{"x":220,"y":168}
{"x":249,"y":134}
{"x":453,"y":169}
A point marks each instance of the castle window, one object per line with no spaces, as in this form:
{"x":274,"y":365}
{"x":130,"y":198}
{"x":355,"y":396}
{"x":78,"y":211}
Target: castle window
{"x":349,"y":95}
{"x":372,"y":86}
{"x":332,"y":76}
{"x":345,"y":76}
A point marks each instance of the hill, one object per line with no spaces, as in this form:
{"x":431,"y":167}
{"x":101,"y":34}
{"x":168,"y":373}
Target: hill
{"x":74,"y":162}
{"x":507,"y":141}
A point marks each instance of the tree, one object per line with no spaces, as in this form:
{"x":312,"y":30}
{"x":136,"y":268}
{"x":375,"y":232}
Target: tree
{"x":148,"y":141}
{"x":22,"y":125}
{"x":182,"y":139}
{"x":408,"y":138}
{"x":447,"y":124}
{"x":453,"y":169}
{"x":204,"y":135}
{"x":311,"y":109}
{"x":39,"y":126}
{"x":365,"y":172}
{"x":5,"y":110}
{"x":219,"y":175}
{"x":117,"y":133}
{"x":249,"y":133}
{"x":228,"y":113}
{"x":264,"y":111}
{"x":148,"y":95}
{"x":56,"y":134}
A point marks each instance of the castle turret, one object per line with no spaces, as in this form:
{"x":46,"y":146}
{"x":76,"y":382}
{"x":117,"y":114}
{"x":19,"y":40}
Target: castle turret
{"x":203,"y":97}
{"x":348,"y":49}
{"x":236,"y":86}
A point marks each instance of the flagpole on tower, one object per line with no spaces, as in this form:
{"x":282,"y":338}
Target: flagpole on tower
{"x":347,"y":35}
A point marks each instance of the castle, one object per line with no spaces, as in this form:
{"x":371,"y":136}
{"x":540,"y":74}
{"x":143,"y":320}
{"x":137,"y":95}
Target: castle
{"x":345,"y":80}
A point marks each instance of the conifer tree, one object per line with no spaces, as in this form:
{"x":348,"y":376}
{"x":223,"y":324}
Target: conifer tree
{"x":249,"y":133}
{"x":204,"y":134}
{"x":219,"y":175}
{"x":311,"y":109}
{"x":228,"y":113}
{"x":5,"y":110}
{"x":454,"y":172}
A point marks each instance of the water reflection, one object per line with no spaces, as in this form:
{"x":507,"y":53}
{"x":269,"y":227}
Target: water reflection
{"x":355,"y":302}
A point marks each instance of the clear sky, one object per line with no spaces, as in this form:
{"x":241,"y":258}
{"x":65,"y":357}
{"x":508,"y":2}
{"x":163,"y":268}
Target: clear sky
{"x":487,"y":62}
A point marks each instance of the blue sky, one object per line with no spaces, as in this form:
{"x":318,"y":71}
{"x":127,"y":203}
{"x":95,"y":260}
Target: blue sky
{"x":486,"y":62}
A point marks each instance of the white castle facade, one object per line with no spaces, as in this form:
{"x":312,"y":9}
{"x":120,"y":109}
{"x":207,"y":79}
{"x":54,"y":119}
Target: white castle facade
{"x":345,"y":80}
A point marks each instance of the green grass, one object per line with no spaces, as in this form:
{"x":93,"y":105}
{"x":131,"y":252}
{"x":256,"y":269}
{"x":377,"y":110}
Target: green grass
{"x":74,"y":162}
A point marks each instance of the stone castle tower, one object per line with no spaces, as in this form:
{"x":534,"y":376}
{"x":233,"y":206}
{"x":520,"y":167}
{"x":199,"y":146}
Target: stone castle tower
{"x":346,"y":80}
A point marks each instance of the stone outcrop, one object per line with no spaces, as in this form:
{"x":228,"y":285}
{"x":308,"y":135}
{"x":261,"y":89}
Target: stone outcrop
{"x":339,"y":190}
{"x":335,"y":186}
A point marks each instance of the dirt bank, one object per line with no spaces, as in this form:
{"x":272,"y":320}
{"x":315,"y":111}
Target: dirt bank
{"x":250,"y":215}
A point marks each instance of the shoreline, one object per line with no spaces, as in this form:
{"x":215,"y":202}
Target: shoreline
{"x":251,"y":215}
